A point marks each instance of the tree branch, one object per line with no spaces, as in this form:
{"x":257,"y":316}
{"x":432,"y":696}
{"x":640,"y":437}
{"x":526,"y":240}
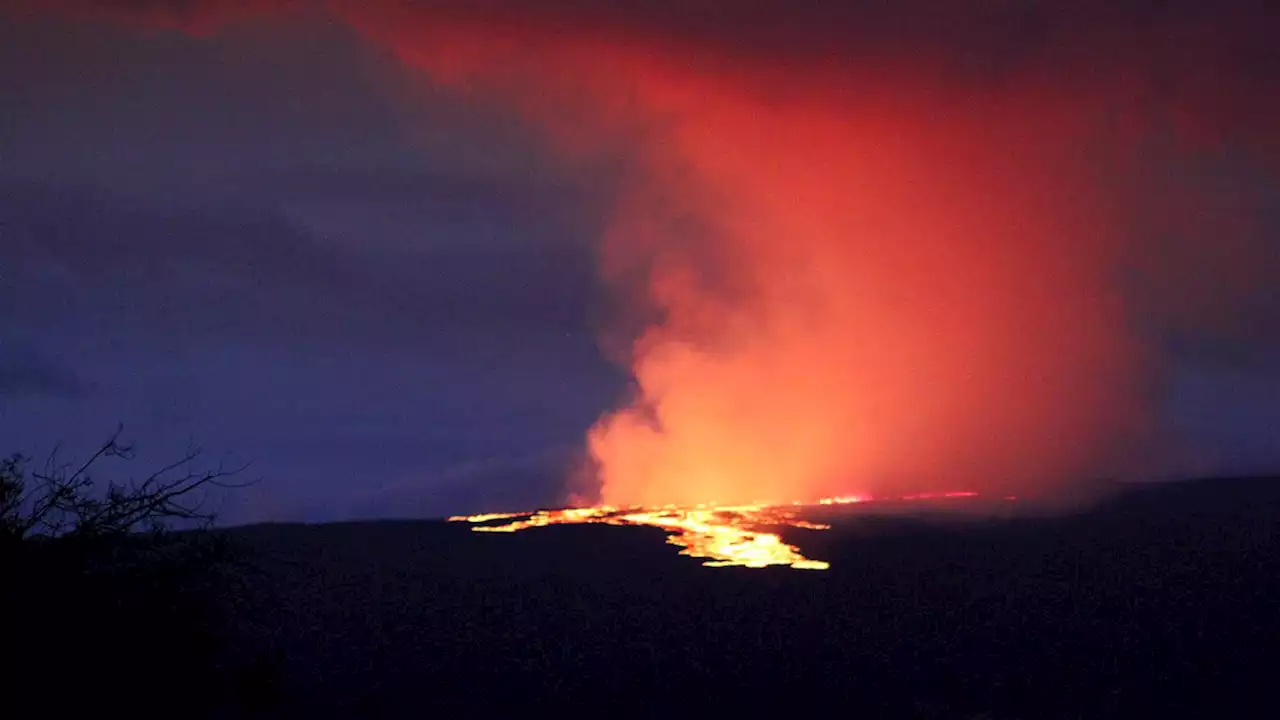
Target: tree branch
{"x":62,"y":501}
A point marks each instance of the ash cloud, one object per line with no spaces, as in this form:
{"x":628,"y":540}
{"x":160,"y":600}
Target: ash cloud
{"x":892,"y":247}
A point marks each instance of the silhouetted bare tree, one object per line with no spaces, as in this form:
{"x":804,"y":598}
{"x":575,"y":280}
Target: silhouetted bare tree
{"x":65,"y":499}
{"x":111,"y":580}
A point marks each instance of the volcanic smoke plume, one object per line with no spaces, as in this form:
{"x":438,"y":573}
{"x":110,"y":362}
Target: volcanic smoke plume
{"x":867,"y":257}
{"x":879,"y":250}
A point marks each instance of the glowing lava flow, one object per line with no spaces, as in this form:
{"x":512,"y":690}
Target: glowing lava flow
{"x":724,"y":535}
{"x":729,"y":535}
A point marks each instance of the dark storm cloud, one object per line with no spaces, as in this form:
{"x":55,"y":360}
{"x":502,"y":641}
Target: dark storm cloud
{"x":1005,"y":31}
{"x":426,"y":210}
{"x":995,"y":34}
{"x":196,"y":16}
{"x":169,"y":117}
{"x":236,"y":271}
{"x":1174,"y":40}
{"x":1209,"y":68}
{"x":1207,"y":285}
{"x":25,"y":371}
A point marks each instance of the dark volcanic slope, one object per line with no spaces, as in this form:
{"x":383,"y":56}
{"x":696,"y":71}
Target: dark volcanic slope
{"x":1162,"y":603}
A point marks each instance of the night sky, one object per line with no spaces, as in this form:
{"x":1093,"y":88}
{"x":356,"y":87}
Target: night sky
{"x":296,"y":238}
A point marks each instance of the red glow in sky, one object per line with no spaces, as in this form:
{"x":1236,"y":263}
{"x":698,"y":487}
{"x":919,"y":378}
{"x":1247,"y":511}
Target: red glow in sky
{"x":881,"y":263}
{"x":862,"y":284}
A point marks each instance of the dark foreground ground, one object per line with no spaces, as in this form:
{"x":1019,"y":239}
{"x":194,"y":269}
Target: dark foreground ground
{"x":1163,"y":603}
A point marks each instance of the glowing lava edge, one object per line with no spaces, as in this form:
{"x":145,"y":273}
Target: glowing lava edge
{"x":724,"y":536}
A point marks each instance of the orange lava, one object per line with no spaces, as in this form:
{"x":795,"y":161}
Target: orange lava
{"x":730,"y":535}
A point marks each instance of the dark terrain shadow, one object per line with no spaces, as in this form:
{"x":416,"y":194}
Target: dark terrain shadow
{"x":1161,"y":603}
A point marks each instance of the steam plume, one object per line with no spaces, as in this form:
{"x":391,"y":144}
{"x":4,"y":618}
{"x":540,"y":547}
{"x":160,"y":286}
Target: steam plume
{"x":879,"y":250}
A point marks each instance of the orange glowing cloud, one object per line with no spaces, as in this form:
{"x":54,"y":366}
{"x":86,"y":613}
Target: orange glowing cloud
{"x":858,"y":287}
{"x":868,"y":253}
